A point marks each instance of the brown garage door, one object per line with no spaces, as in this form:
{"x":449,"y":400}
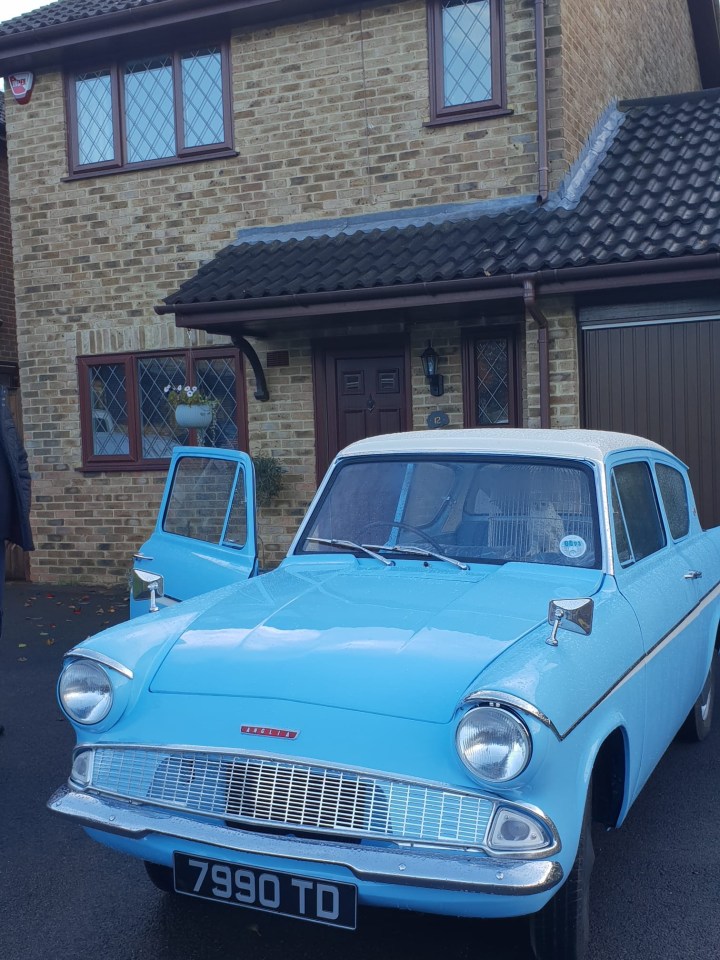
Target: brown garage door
{"x":360,"y":391}
{"x":660,"y":380}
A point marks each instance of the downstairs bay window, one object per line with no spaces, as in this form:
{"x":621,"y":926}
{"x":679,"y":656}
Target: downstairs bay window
{"x":126,"y":420}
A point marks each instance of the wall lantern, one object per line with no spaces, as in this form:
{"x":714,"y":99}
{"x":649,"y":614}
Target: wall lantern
{"x":430,"y":362}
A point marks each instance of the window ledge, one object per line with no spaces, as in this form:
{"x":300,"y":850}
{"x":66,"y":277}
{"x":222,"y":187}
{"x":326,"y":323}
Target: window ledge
{"x":491,"y":113}
{"x":150,"y":165}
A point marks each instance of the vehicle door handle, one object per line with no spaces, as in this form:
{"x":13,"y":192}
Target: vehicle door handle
{"x":693,"y":575}
{"x":141,"y":556}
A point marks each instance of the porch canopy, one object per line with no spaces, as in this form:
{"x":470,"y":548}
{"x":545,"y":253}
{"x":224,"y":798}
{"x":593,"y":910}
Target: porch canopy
{"x":640,"y":208}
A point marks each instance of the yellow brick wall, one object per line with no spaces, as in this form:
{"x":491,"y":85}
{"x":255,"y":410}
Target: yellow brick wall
{"x":604,"y":50}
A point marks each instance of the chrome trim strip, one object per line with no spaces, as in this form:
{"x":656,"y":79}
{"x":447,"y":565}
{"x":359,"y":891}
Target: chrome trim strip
{"x":650,"y":654}
{"x":478,"y":874}
{"x":606,"y":522}
{"x":510,"y":700}
{"x":361,"y":772}
{"x":81,"y":653}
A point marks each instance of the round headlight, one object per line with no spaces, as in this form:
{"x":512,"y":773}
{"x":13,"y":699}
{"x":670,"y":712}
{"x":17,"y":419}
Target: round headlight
{"x":493,"y":743}
{"x":85,"y":692}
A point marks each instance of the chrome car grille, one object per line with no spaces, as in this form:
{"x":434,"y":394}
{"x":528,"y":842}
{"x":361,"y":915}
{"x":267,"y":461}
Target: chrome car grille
{"x":276,"y":792}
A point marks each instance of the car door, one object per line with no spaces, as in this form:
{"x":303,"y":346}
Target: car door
{"x":651,"y":573}
{"x":700,"y":554}
{"x":205,"y":534}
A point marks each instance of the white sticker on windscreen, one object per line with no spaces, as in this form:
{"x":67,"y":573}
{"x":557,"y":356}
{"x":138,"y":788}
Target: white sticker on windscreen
{"x":573,"y":547}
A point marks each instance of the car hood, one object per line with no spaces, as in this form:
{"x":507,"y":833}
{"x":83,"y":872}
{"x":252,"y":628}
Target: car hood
{"x":405,"y":641}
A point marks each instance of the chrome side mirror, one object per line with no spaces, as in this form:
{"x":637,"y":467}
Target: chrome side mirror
{"x":573,"y":615}
{"x":147,"y":586}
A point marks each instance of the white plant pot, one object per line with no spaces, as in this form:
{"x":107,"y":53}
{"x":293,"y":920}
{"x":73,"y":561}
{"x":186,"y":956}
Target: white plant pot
{"x":198,"y":415}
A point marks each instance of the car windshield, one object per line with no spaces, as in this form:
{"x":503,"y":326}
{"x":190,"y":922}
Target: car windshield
{"x":489,"y":510}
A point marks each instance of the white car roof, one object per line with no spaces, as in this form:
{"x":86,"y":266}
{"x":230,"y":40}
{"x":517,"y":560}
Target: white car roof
{"x":593,"y":445}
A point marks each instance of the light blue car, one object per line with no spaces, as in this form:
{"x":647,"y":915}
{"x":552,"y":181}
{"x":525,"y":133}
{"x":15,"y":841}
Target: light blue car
{"x":480,"y":643}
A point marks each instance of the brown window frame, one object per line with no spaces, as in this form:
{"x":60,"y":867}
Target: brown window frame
{"x":496,"y":106}
{"x":134,"y":460}
{"x":469,"y":339}
{"x":119,"y":163}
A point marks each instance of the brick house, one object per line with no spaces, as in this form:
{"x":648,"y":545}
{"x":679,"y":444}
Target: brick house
{"x":288,"y":203}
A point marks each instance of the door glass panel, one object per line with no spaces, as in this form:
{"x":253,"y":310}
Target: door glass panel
{"x":674,"y":496}
{"x":492,"y":372}
{"x":199,"y":498}
{"x":236,"y":533}
{"x":639,"y":508}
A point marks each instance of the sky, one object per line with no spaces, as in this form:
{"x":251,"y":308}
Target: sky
{"x":13,"y":8}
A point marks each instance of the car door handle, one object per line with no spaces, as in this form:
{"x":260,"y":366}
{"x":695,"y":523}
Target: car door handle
{"x":693,"y":575}
{"x":141,"y":556}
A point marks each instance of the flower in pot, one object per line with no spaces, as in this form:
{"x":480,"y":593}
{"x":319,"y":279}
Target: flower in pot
{"x":192,"y":408}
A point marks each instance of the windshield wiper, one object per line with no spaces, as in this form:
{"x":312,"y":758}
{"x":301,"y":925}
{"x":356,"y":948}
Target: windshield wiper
{"x":417,"y":552}
{"x":351,"y":545}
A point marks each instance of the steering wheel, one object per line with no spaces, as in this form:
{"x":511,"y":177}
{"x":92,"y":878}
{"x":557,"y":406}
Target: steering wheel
{"x":404,"y":526}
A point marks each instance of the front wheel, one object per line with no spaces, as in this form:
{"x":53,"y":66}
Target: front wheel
{"x":699,"y":721}
{"x":561,"y":930}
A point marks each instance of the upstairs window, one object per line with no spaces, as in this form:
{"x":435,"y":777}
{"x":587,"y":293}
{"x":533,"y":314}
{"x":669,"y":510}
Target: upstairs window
{"x":467,"y":73}
{"x":149,"y":112}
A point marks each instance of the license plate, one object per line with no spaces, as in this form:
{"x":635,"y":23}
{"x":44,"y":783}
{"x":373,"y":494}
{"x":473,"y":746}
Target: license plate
{"x":305,"y":898}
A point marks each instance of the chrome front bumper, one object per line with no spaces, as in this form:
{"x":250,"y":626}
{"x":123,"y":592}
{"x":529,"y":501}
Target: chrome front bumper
{"x":470,"y":874}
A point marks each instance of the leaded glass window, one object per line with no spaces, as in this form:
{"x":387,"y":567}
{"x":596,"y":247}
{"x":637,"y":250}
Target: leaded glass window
{"x":491,"y":391}
{"x":159,"y":108}
{"x":493,"y":382}
{"x":466,"y":59}
{"x":94,"y":117}
{"x":159,"y":431}
{"x":127,"y":420}
{"x":203,"y":120}
{"x":108,"y":410}
{"x":149,"y":110}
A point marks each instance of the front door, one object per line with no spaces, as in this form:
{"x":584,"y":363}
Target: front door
{"x":360,"y":391}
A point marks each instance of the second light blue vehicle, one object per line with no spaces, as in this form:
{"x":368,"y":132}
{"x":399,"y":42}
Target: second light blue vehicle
{"x":479,"y":643}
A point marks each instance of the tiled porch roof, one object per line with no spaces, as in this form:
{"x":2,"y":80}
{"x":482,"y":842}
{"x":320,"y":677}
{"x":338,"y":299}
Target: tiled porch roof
{"x":68,"y":11}
{"x":649,"y":190}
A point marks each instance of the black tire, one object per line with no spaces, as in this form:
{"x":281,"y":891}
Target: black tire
{"x":561,"y":930}
{"x":699,"y":721}
{"x":161,"y":876}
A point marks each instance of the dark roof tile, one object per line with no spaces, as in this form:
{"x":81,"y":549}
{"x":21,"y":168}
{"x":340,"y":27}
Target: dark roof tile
{"x":655,"y":194}
{"x":67,"y":11}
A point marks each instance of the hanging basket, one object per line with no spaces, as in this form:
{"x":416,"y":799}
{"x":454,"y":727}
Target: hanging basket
{"x":198,"y":415}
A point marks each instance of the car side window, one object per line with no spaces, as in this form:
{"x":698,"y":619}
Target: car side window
{"x":199,"y":500}
{"x":675,"y":499}
{"x":636,"y":516}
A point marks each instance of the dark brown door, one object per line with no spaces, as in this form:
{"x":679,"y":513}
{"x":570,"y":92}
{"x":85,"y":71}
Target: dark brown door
{"x":660,"y":380}
{"x":359,"y":392}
